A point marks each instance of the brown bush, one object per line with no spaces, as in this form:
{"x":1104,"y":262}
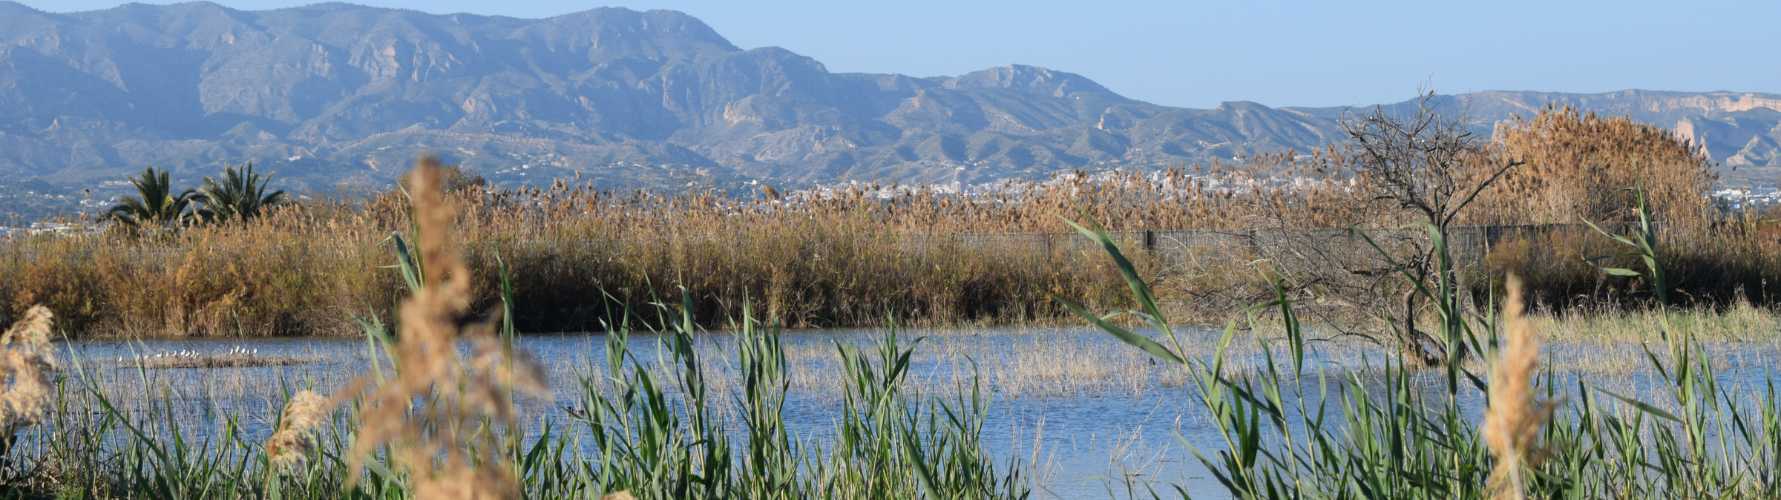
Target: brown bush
{"x":1586,"y":167}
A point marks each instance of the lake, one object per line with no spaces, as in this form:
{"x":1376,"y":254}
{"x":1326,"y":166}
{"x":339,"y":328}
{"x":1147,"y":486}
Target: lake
{"x":1083,"y":410}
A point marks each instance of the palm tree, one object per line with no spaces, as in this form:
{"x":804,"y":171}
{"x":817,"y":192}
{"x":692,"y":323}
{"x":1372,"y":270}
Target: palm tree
{"x":240,"y":194}
{"x":155,"y":203}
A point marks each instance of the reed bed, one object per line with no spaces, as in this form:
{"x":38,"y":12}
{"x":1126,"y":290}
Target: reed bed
{"x":575,"y":256}
{"x":446,"y":417}
{"x":851,"y":255}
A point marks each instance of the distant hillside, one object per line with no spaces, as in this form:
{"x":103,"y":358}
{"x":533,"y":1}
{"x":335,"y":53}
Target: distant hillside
{"x":1740,"y":130}
{"x":340,"y":96}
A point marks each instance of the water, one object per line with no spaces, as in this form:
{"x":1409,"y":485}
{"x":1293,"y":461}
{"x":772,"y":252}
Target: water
{"x":1085,"y":411}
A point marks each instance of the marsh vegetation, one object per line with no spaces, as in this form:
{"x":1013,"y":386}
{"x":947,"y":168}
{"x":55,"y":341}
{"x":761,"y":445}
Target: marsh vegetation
{"x":1440,"y":316}
{"x":848,"y":257}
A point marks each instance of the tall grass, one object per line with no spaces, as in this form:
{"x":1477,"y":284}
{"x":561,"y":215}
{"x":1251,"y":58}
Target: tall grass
{"x":1407,"y":432}
{"x":632,"y":427}
{"x":573,"y":255}
{"x":433,"y":422}
{"x":846,"y":256}
{"x":437,"y":424}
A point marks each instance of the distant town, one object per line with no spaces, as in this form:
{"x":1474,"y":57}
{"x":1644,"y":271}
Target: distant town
{"x":37,"y":209}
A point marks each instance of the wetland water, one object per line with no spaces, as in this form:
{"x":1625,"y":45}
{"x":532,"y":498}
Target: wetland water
{"x":1083,"y":411}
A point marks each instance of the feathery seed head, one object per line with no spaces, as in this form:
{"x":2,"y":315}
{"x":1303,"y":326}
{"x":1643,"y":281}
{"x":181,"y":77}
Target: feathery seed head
{"x":1512,"y":422}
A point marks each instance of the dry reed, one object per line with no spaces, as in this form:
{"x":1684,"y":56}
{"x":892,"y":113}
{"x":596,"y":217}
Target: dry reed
{"x":1585,"y":167}
{"x":1512,"y":422}
{"x":293,"y":440}
{"x":25,"y":368}
{"x":438,"y":414}
{"x":843,"y":257}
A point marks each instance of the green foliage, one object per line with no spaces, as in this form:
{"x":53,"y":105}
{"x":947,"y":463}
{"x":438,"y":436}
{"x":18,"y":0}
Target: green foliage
{"x":239,"y":194}
{"x":155,"y":203}
{"x":635,"y":425}
{"x":1643,"y":244}
{"x":655,"y":438}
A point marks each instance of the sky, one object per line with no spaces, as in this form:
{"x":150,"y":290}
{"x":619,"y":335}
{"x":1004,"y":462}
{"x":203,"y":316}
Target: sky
{"x":1201,"y":53}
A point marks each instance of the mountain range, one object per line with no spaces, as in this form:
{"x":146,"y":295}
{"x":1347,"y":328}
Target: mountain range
{"x":338,"y":96}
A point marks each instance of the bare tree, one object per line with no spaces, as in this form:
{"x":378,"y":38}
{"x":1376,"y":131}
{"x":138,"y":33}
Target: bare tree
{"x":1431,"y":167}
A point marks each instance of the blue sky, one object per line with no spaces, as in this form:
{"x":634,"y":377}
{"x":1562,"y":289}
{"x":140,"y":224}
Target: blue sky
{"x":1198,"y":54}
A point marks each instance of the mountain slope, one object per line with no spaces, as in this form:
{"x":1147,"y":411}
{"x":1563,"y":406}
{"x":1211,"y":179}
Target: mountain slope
{"x":342,"y":96}
{"x":1740,"y":130}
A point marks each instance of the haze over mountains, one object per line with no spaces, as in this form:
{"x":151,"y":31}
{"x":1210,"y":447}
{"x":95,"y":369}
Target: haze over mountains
{"x":337,"y":95}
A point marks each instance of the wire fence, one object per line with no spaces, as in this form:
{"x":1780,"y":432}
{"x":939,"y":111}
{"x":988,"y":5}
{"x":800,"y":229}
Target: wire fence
{"x":1467,"y":244}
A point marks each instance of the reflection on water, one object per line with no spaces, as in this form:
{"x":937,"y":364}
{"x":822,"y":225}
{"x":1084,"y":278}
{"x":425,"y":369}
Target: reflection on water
{"x":1087,"y":412}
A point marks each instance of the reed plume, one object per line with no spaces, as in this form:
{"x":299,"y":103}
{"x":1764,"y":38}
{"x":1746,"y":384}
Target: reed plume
{"x":291,"y":443}
{"x":440,"y":415}
{"x":1513,"y":421}
{"x":25,"y":368}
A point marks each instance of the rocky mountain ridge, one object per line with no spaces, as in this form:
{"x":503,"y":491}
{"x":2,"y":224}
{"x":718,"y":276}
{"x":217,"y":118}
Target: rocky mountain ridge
{"x":340,"y":97}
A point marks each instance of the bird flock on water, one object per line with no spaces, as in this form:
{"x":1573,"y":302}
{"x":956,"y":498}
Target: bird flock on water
{"x":233,"y":352}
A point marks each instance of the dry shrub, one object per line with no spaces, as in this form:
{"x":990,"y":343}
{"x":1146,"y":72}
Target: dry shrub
{"x":281,"y":274}
{"x":1585,"y":167}
{"x":1588,"y":168}
{"x":1733,"y":263}
{"x":441,"y":414}
{"x":1770,"y":217}
{"x":1559,"y":266}
{"x":55,"y":273}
